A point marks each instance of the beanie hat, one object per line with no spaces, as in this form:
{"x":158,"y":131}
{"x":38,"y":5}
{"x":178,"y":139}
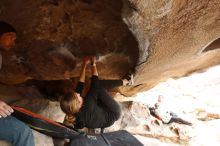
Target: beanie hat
{"x":5,"y":27}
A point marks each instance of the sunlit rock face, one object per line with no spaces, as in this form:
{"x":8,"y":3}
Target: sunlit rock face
{"x":173,"y":33}
{"x":194,"y":98}
{"x":136,"y":119}
{"x":156,"y":39}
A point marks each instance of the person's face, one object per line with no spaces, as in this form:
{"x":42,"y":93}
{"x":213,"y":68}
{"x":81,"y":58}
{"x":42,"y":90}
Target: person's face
{"x":7,"y":40}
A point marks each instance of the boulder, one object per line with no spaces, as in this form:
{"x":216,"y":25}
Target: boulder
{"x":153,"y":39}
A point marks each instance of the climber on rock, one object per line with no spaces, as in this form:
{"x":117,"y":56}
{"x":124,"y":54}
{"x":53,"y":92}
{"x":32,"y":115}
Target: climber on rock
{"x":97,"y":109}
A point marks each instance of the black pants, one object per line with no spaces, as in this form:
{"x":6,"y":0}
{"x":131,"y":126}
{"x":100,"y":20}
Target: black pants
{"x":110,"y":84}
{"x":100,"y":104}
{"x":179,"y":120}
{"x":105,"y":100}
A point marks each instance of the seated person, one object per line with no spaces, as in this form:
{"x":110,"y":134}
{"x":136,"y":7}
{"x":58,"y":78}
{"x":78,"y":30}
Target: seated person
{"x":97,"y":109}
{"x":11,"y":129}
{"x":167,"y":117}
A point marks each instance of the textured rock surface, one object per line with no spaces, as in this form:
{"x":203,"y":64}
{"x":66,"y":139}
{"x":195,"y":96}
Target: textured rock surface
{"x":196,"y":99}
{"x":168,"y":38}
{"x":176,"y":32}
{"x":136,"y":119}
{"x":53,"y":35}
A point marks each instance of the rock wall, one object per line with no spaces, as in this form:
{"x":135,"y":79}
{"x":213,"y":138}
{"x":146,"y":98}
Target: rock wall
{"x":194,"y":98}
{"x":155,"y":39}
{"x":53,"y":36}
{"x":173,"y":34}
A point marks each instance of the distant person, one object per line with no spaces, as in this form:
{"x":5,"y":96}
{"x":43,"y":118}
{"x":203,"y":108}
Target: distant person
{"x":11,"y":129}
{"x":97,"y":109}
{"x":167,"y":117}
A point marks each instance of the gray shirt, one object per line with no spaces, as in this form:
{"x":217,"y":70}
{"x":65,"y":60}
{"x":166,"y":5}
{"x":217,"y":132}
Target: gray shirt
{"x":162,"y":112}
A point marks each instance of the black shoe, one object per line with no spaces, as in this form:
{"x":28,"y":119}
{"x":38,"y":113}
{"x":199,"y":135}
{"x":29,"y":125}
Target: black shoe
{"x":130,"y":78}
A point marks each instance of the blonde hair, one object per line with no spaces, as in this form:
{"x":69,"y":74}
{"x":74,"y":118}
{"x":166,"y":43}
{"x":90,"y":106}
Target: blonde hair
{"x":70,"y":105}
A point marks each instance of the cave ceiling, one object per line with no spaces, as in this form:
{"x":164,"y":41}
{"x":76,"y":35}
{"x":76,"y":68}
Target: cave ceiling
{"x":155,"y":40}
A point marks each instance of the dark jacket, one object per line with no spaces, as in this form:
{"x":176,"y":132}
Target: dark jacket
{"x":99,"y":110}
